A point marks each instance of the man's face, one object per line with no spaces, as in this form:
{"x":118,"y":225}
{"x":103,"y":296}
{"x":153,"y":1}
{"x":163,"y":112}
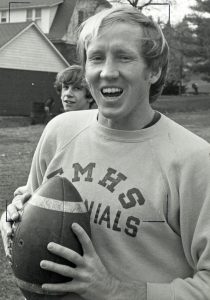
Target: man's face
{"x":73,"y":97}
{"x":118,"y":76}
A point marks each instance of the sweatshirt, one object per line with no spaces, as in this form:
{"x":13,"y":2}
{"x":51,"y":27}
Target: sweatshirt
{"x":148,"y":194}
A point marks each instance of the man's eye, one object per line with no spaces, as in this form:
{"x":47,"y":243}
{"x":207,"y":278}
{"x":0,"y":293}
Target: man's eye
{"x":77,"y":88}
{"x":125,"y":57}
{"x":65,"y":87}
{"x":96,"y":58}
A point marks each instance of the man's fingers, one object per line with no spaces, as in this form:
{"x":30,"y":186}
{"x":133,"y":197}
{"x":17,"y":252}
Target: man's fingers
{"x":68,"y":287}
{"x":60,"y":269}
{"x":20,"y":190}
{"x":26,"y":197}
{"x":19,"y":200}
{"x":16,"y":205}
{"x":83,"y":238}
{"x":5,"y":226}
{"x":56,"y":287}
{"x":6,"y":232}
{"x":12,"y":212}
{"x":66,"y":253}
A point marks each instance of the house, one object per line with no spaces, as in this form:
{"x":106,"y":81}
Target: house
{"x":64,"y":30}
{"x":58,"y":19}
{"x":37,"y":39}
{"x":42,"y":12}
{"x":28,"y":66}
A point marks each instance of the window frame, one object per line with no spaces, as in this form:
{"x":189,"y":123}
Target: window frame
{"x":3,"y":16}
{"x":37,"y":14}
{"x":29,"y":17}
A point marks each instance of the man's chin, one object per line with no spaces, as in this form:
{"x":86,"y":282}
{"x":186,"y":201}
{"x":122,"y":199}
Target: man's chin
{"x":68,"y":108}
{"x":109,"y":112}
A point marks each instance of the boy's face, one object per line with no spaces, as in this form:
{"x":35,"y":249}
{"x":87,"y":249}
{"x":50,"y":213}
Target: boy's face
{"x":118,"y":77}
{"x":74,"y":97}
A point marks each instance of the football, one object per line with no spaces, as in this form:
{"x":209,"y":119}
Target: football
{"x":47,"y":217}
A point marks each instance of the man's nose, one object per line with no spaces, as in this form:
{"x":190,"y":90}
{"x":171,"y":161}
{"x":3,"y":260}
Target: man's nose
{"x":109,"y":70}
{"x":69,"y":91}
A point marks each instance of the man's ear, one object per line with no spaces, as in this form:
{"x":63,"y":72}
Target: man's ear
{"x":155,"y":75}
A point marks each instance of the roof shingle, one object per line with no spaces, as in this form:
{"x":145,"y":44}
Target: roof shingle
{"x":63,"y":17}
{"x":62,"y":20}
{"x":4,"y":4}
{"x":105,"y":3}
{"x":10,"y":30}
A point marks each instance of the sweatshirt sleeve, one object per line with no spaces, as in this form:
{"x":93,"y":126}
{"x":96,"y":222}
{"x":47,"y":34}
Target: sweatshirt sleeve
{"x":194,"y":194}
{"x":43,"y":154}
{"x":57,"y":133}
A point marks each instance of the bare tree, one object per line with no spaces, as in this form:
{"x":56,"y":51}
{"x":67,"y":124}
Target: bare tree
{"x":141,"y":4}
{"x":134,"y":3}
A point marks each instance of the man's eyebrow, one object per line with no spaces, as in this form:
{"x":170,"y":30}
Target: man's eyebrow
{"x":124,"y":50}
{"x":116,"y":49}
{"x":95,"y":51}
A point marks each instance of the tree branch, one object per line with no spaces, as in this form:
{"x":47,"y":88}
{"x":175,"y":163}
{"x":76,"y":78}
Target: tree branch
{"x":134,"y":3}
{"x":146,"y":4}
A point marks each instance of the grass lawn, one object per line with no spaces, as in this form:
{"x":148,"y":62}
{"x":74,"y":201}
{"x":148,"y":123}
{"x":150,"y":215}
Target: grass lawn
{"x":18,"y":141}
{"x":16,"y":151}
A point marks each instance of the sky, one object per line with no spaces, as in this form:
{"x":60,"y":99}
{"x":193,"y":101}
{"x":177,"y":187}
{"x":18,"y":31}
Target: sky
{"x":181,"y":9}
{"x":178,"y":9}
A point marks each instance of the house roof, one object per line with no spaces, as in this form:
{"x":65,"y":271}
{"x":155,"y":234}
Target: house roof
{"x":9,"y":30}
{"x":105,"y":3}
{"x":4,"y":4}
{"x":62,"y":20}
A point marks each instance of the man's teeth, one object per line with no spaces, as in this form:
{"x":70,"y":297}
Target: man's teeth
{"x":112,"y":91}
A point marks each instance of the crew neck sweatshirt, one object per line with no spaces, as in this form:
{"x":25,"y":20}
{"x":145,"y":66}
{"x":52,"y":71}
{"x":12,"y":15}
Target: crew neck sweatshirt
{"x":148,"y":194}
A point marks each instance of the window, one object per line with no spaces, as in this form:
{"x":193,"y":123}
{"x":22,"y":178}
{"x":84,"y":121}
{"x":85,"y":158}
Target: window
{"x":3,"y":17}
{"x":34,"y":15}
{"x":29,"y":14}
{"x":37,"y":13}
{"x":80,"y":16}
{"x":38,"y":16}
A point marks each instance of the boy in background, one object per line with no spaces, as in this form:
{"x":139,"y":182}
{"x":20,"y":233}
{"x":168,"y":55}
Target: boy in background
{"x":70,"y":84}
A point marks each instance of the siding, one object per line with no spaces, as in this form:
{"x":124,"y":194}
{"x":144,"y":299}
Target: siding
{"x":20,"y":89}
{"x":17,"y":15}
{"x":30,"y":51}
{"x":53,"y":12}
{"x":89,"y":7}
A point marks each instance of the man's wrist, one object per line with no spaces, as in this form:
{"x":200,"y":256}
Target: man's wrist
{"x":128,"y":290}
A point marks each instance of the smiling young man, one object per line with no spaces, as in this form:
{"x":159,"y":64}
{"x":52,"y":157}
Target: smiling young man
{"x":119,"y":78}
{"x":144,"y":178}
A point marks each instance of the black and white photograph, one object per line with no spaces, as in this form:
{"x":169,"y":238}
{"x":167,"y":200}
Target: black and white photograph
{"x":105,"y":150}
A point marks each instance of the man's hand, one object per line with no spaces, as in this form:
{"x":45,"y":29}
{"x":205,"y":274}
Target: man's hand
{"x":91,"y":280}
{"x":90,"y":277}
{"x":8,"y":217}
{"x":14,"y":208}
{"x":6,"y":232}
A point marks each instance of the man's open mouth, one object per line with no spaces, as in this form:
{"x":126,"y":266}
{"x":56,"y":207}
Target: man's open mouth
{"x":69,"y":101}
{"x":111,"y":92}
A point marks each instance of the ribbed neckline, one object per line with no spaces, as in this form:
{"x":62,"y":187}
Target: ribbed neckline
{"x":130,"y":135}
